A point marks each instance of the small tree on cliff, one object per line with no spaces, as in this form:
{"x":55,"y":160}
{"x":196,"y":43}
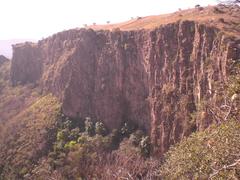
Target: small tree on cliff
{"x":145,"y":146}
{"x":100,"y":128}
{"x":89,"y":126}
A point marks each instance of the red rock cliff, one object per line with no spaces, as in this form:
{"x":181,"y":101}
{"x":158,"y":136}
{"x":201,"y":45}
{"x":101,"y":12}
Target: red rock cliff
{"x":155,"y":78}
{"x":26,"y":63}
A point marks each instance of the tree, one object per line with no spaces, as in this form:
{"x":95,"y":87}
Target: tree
{"x":63,"y":135}
{"x":136,"y":137}
{"x":197,"y":6}
{"x":145,"y":146}
{"x":89,"y":126}
{"x":100,"y":128}
{"x":74,"y":134}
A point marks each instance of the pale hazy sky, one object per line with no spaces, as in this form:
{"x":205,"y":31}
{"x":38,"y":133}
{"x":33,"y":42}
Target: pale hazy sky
{"x":40,"y":18}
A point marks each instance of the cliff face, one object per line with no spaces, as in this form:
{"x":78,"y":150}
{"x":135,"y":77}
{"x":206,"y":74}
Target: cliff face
{"x":26,"y":63}
{"x":155,"y":78}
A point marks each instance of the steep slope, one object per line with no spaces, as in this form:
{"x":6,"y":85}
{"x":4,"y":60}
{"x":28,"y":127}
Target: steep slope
{"x":13,"y":99}
{"x":155,"y":78}
{"x":27,"y":118}
{"x":211,"y":154}
{"x":170,"y":75}
{"x":26,"y":137}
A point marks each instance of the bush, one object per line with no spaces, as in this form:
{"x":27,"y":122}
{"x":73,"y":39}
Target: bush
{"x":89,"y":126}
{"x":136,"y":137}
{"x":62,"y":135}
{"x":205,"y":154}
{"x":84,"y":154}
{"x":145,"y":146}
{"x":74,"y":134}
{"x":58,"y":146}
{"x":83,"y":138}
{"x":100,"y":128}
{"x":70,"y":144}
{"x":67,"y":124}
{"x":115,"y":137}
{"x":127,"y":128}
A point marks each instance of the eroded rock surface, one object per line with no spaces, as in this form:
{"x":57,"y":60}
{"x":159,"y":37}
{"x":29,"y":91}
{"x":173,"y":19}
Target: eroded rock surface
{"x":155,"y":78}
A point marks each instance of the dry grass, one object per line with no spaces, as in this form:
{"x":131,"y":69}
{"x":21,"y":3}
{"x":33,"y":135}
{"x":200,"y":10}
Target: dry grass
{"x":26,"y":117}
{"x":24,"y":138}
{"x":208,"y":15}
{"x":13,"y":99}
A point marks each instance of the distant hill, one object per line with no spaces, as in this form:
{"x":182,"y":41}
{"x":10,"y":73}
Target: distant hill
{"x":6,"y":46}
{"x":3,"y":59}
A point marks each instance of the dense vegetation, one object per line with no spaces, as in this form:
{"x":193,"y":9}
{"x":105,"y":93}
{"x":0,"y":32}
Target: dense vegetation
{"x":213,"y":153}
{"x":87,"y":151}
{"x":37,"y":141}
{"x":83,"y":149}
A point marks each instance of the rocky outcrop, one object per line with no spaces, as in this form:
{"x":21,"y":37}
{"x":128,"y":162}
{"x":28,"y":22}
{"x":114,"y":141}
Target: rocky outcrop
{"x":26,"y":63}
{"x":156,"y":78}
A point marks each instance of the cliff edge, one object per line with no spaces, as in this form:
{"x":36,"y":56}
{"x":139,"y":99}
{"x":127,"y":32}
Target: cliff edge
{"x":157,"y":78}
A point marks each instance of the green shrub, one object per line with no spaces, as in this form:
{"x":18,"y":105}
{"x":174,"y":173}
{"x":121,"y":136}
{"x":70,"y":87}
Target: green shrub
{"x":70,"y":144}
{"x":74,"y":134}
{"x":145,"y":146}
{"x":89,"y":126}
{"x":127,"y":128}
{"x":63,"y":135}
{"x":23,"y":171}
{"x":115,"y":137}
{"x":58,"y":146}
{"x":84,"y":138}
{"x":100,"y":128}
{"x":68,"y":123}
{"x":136,"y":137}
{"x":204,"y":153}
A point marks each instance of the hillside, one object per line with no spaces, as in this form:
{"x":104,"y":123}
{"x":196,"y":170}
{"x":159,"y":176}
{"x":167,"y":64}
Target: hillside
{"x":223,"y":17}
{"x":117,"y":97}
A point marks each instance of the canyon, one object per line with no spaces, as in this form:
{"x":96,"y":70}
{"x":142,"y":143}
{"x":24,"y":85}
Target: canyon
{"x":167,"y":75}
{"x":154,"y":78}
